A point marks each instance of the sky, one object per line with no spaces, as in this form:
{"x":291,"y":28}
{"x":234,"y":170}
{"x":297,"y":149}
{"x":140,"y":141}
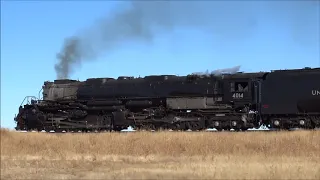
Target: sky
{"x":171,"y":39}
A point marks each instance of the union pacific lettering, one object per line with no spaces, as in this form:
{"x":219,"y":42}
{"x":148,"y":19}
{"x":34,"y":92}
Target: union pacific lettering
{"x":315,"y":93}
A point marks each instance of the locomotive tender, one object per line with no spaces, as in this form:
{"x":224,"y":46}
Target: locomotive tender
{"x":280,"y":99}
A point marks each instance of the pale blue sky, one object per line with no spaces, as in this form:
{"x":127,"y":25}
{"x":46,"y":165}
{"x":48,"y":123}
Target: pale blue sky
{"x":272,"y":36}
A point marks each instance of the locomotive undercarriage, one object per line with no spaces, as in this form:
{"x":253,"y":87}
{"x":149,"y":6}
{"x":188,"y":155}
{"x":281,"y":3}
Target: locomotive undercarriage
{"x":48,"y":118}
{"x":286,"y":122}
{"x":71,"y":116}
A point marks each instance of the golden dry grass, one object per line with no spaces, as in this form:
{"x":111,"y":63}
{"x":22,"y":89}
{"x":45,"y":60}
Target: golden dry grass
{"x":161,"y":155}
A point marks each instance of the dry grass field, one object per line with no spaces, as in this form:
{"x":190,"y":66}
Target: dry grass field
{"x":162,"y":155}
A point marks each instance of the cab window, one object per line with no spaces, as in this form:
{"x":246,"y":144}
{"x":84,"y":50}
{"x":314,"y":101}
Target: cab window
{"x":239,"y":87}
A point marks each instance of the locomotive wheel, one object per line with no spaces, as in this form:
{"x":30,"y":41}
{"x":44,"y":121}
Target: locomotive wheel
{"x":117,"y":129}
{"x":177,"y":127}
{"x":58,"y":130}
{"x":149,"y":127}
{"x":313,"y":125}
{"x":183,"y":126}
{"x":195,"y":126}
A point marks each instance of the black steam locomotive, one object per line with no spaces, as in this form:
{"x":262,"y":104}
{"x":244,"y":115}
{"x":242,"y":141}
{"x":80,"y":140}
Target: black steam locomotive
{"x":279,"y":99}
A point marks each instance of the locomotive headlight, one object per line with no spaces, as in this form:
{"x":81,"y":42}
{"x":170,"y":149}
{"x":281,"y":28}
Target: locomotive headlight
{"x":276,"y":123}
{"x":216,"y":123}
{"x":234,"y":123}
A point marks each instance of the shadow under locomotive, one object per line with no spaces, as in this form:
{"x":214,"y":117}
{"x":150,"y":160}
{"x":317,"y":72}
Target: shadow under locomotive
{"x":197,"y":102}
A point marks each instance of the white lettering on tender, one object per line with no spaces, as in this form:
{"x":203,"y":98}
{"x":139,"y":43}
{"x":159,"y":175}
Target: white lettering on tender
{"x":315,"y":93}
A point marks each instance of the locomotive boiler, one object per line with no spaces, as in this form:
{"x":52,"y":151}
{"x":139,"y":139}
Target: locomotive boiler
{"x":279,"y":99}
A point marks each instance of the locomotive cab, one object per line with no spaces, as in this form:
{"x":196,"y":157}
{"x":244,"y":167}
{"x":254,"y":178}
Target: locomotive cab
{"x":242,"y":90}
{"x":238,"y":92}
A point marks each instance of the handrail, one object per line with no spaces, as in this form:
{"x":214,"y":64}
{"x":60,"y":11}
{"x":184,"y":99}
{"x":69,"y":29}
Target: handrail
{"x":39,"y":94}
{"x":29,"y":99}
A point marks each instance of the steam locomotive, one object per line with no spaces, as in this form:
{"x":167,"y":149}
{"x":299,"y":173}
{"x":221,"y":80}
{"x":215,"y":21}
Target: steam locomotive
{"x":279,"y":99}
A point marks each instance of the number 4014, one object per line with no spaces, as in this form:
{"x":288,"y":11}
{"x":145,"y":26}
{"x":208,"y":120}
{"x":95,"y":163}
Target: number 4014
{"x":237,"y":95}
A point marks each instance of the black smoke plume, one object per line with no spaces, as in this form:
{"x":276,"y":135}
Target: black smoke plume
{"x":228,"y":19}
